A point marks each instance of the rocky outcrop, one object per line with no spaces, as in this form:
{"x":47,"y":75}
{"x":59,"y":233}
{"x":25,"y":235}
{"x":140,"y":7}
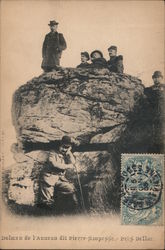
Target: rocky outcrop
{"x":106,"y":114}
{"x":90,"y":105}
{"x":97,"y":171}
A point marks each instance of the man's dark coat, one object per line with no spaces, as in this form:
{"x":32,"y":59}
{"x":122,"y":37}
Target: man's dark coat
{"x":115,"y":64}
{"x":53,"y":46}
{"x":83,"y":65}
{"x":98,"y":63}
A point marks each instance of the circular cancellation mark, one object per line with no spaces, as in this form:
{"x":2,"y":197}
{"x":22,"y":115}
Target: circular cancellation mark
{"x":140,"y":189}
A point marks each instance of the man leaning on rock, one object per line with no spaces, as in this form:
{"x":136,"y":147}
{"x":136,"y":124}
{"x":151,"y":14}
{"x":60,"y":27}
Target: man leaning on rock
{"x":115,"y":64}
{"x":52,"y":48}
{"x":54,"y":186}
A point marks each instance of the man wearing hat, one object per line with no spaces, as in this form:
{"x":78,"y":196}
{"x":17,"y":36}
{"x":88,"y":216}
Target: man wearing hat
{"x":53,"y":46}
{"x":157,"y":79}
{"x":115,"y":64}
{"x":84,"y":60}
{"x":54,"y":186}
{"x":98,"y":61}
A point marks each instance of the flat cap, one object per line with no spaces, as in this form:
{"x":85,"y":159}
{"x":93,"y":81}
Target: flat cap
{"x":157,"y":74}
{"x":86,"y":54}
{"x":113,"y":47}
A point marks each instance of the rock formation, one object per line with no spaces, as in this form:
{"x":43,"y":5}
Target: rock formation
{"x":106,"y":115}
{"x":90,"y":105}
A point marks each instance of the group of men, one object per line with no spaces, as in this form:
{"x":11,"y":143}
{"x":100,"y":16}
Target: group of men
{"x":53,"y":179}
{"x":114,"y":64}
{"x":55,"y":43}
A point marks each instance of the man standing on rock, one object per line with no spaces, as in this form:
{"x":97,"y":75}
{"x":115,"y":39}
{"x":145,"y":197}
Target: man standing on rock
{"x":53,"y":46}
{"x":54,"y":186}
{"x":158,"y":80}
{"x":115,"y":64}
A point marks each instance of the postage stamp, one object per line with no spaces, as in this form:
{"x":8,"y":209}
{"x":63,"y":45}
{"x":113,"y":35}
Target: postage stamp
{"x":142,"y":179}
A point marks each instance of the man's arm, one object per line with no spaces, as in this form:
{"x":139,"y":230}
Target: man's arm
{"x":119,"y":64}
{"x":44,"y":46}
{"x":62,"y":42}
{"x":58,"y":163}
{"x":70,"y":157}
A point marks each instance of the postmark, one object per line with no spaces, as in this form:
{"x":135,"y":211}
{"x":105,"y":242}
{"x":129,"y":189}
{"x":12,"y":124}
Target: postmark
{"x":142,"y":189}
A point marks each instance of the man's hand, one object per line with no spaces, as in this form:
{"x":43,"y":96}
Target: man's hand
{"x":71,"y":157}
{"x":58,"y":50}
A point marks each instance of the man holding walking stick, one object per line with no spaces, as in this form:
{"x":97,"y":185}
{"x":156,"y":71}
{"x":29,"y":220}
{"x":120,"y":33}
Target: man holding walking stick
{"x":54,"y":186}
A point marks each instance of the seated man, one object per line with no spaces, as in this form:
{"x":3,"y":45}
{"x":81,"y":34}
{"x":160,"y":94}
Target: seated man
{"x":53,"y":183}
{"x":84,"y":60}
{"x":97,"y":60}
{"x":115,"y":64}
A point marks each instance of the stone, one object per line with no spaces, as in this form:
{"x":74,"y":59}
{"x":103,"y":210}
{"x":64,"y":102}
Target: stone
{"x":82,"y":103}
{"x":105,"y":113}
{"x":94,"y":169}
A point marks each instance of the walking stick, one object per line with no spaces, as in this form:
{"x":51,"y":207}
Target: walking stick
{"x":81,"y":192}
{"x":79,"y":183}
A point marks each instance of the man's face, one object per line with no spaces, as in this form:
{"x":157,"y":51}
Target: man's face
{"x":53,"y":28}
{"x":112,"y":52}
{"x":83,"y":59}
{"x":64,"y":148}
{"x":96,"y":55}
{"x":157,"y":80}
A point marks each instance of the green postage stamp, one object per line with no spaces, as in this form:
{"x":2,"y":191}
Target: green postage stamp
{"x":142,"y":184}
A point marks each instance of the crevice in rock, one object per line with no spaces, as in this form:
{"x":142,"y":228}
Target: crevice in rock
{"x":29,"y":146}
{"x":112,"y":102}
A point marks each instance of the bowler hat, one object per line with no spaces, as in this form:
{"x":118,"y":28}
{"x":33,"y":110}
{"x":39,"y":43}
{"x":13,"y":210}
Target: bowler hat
{"x":157,"y":74}
{"x":96,"y":51}
{"x":66,"y":140}
{"x":85,"y":53}
{"x":113,"y":47}
{"x":52,"y":23}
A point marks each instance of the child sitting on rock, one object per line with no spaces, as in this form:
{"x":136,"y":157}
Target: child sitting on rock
{"x":98,"y":61}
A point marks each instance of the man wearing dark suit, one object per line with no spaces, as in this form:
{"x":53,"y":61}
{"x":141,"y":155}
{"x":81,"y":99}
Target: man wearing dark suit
{"x":53,"y":46}
{"x":158,"y":80}
{"x":84,"y":60}
{"x":98,"y":61}
{"x":115,"y":64}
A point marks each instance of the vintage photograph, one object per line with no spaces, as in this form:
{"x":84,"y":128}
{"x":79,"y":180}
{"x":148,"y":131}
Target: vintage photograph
{"x":82,"y":124}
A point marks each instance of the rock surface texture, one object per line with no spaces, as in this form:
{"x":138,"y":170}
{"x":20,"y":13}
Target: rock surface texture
{"x":107,"y":114}
{"x":90,"y":105}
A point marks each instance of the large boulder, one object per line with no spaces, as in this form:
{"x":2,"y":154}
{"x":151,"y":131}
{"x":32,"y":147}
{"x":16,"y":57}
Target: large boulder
{"x":106,"y":114}
{"x":90,"y":105}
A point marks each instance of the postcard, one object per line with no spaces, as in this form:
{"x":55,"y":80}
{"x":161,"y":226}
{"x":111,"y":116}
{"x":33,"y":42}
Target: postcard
{"x":82,"y":124}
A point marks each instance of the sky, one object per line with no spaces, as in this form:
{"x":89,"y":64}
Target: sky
{"x":135,"y":27}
